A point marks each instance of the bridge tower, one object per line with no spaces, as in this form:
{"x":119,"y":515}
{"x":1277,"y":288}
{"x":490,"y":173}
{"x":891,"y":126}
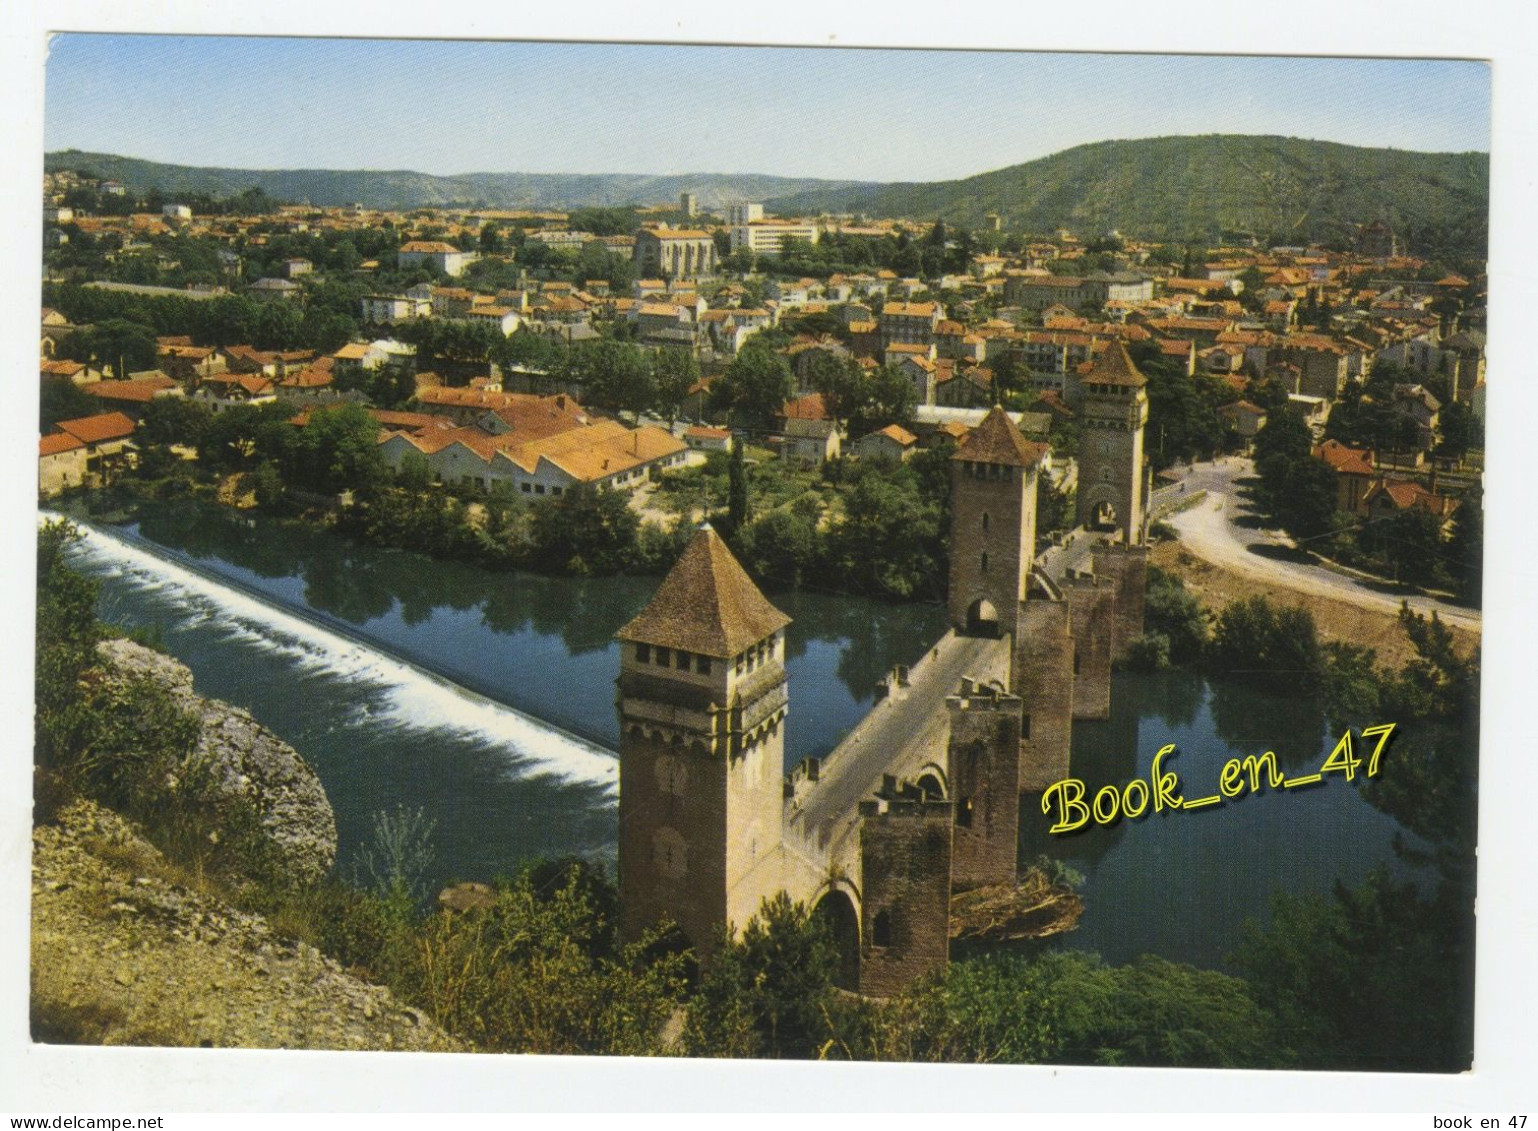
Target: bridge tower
{"x":702,"y":703}
{"x":1111,"y":480}
{"x":993,"y":526}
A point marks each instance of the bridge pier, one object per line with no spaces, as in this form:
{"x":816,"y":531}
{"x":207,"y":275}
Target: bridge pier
{"x":905,"y":921}
{"x":1092,"y":613}
{"x":1043,"y":678}
{"x":984,"y":760}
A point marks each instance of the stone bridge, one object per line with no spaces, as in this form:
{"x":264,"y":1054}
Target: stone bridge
{"x":923,"y":797}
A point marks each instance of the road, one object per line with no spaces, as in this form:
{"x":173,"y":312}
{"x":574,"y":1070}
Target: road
{"x":1215,"y":529}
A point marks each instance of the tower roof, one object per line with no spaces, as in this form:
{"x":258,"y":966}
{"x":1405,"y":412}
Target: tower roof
{"x":1114,"y":367}
{"x":707,"y":604}
{"x":997,"y":440}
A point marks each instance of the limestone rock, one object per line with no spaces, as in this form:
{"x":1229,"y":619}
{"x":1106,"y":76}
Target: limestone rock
{"x":240,"y":759}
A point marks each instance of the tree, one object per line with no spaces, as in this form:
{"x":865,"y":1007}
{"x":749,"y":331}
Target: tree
{"x":1173,"y":612}
{"x":737,"y":490}
{"x":113,"y":740}
{"x":118,"y":344}
{"x":415,"y":473}
{"x":1275,"y":648}
{"x":890,"y":399}
{"x":888,"y":543}
{"x":1407,"y":543}
{"x":769,"y":993}
{"x":62,"y":399}
{"x":756,"y":384}
{"x":173,"y":420}
{"x":1304,"y":498}
{"x":674,"y":374}
{"x":338,"y":450}
{"x":1466,"y":546}
{"x":587,"y":531}
{"x":842,"y":385}
{"x":542,"y":970}
{"x":614,"y":375}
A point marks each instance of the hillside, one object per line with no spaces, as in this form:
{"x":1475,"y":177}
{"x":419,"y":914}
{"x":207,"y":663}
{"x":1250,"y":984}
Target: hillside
{"x":403,"y":189}
{"x":1177,"y":188}
{"x":1171,"y":188}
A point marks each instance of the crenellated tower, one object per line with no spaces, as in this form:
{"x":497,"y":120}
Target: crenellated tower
{"x":1111,"y":476}
{"x":702,"y":703}
{"x":993,"y":526}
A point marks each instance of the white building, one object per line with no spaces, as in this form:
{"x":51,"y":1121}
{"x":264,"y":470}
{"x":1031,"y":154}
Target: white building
{"x":767,"y":237}
{"x":443,"y":256}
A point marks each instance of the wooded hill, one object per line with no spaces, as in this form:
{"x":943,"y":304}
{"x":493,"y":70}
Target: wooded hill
{"x":1174,"y":188}
{"x":402,"y":189}
{"x":1198,"y":188}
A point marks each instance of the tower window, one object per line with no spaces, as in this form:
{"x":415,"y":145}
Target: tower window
{"x":881,"y":929}
{"x":702,"y":664}
{"x":643,"y":653}
{"x":664,"y":657}
{"x":985,"y":561}
{"x":985,"y":521}
{"x":683,"y":661}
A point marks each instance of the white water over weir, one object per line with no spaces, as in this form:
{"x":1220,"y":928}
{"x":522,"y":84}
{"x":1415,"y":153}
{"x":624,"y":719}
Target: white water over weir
{"x":414,"y":699}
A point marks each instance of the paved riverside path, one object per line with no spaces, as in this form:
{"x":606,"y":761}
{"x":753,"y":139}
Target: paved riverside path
{"x":909,"y":720}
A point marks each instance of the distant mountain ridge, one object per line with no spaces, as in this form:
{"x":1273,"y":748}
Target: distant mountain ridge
{"x":1175,"y":188}
{"x":397,"y":189}
{"x":1170,"y":188}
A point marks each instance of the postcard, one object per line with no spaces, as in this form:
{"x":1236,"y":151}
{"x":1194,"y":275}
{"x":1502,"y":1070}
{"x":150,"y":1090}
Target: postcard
{"x":764,"y":553}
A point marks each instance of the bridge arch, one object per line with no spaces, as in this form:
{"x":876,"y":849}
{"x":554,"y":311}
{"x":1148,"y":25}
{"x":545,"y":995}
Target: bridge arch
{"x":982,"y":618}
{"x":837,"y":907}
{"x":1100,"y":506}
{"x":932,"y":779}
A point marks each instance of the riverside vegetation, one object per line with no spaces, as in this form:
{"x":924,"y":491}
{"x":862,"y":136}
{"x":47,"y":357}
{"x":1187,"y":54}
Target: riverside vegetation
{"x":540,"y":967}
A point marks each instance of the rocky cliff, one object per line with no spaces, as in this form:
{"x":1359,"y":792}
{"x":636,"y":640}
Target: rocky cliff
{"x":240,"y":762}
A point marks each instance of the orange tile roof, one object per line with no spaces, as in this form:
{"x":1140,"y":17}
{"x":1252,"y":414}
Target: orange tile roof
{"x":96,"y":429}
{"x":1347,"y":461}
{"x":809,"y":407}
{"x":57,"y":444}
{"x":140,"y":390}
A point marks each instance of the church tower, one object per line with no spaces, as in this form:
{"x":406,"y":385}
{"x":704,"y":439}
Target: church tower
{"x":702,"y":703}
{"x":993,"y":525}
{"x":1115,"y":409}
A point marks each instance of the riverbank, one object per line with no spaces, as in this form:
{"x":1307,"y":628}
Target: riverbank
{"x":1337,"y":620}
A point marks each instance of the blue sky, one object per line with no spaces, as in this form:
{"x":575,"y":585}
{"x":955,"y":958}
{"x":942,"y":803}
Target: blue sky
{"x":455,"y":107}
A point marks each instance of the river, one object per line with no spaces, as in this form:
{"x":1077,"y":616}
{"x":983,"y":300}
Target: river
{"x":486,"y":701}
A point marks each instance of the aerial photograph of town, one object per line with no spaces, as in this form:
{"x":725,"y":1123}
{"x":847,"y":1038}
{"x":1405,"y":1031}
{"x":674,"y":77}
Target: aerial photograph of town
{"x":980,"y":588}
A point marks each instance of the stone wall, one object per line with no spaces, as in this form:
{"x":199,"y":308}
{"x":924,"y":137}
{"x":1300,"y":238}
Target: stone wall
{"x":1044,"y":681}
{"x":905,"y":905}
{"x":984,"y":771}
{"x":1092,"y":611}
{"x":1125,"y":568}
{"x":672,"y":836}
